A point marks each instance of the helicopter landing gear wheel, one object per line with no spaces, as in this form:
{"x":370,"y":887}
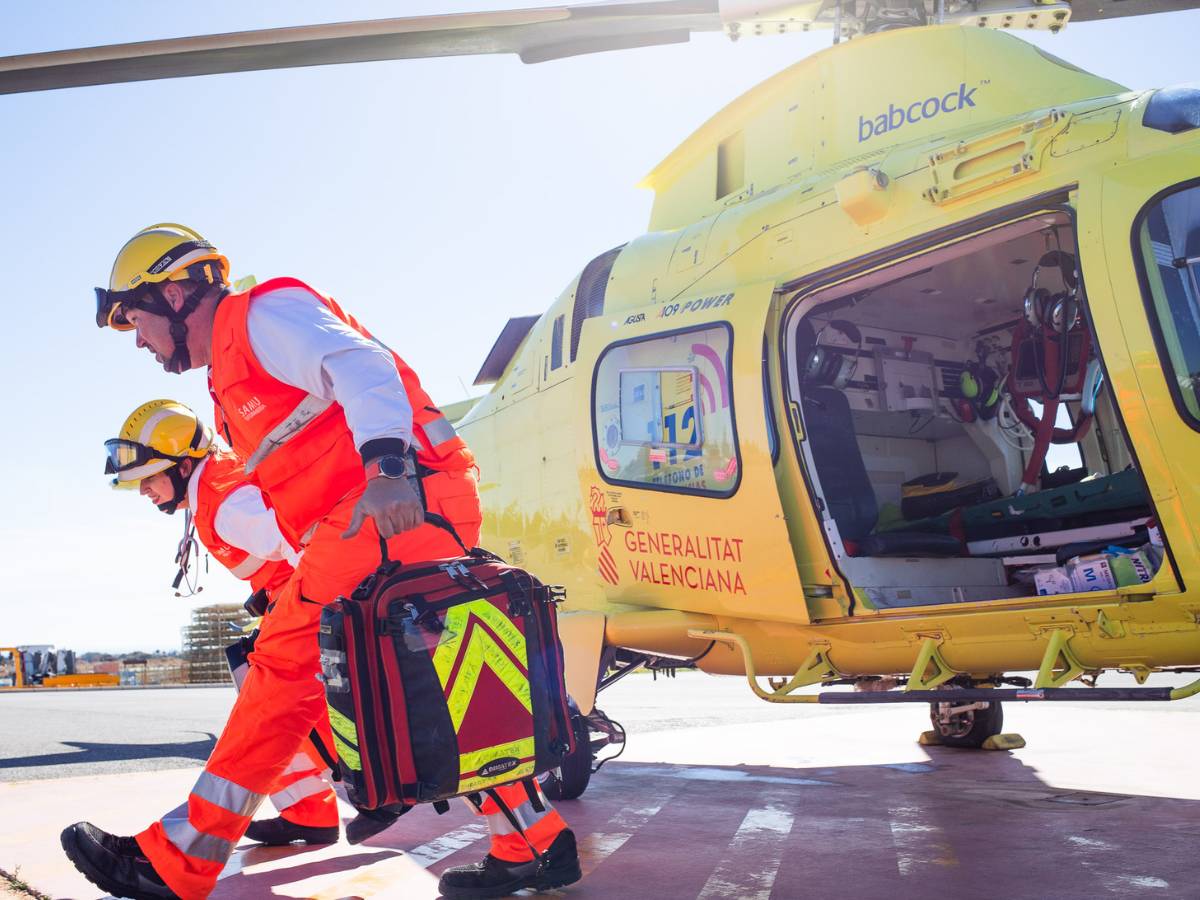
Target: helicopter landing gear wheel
{"x":571,"y":779}
{"x":967,"y":725}
{"x":593,"y":733}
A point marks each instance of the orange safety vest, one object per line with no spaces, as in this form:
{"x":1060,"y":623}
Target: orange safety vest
{"x":297,"y":446}
{"x":221,"y":476}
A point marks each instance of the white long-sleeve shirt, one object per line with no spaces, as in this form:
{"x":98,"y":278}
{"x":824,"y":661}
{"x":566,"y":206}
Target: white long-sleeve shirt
{"x":300,"y":342}
{"x":245,"y":521}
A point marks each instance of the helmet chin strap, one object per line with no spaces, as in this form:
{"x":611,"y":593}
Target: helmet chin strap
{"x":181,"y":358}
{"x":180,"y":484}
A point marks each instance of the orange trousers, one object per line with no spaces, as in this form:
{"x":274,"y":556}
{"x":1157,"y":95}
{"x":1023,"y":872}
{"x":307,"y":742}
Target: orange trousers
{"x":282,"y":698}
{"x":303,"y":794}
{"x":541,"y":828}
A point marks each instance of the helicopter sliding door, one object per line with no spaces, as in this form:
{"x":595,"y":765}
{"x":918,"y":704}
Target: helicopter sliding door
{"x":1150,"y":246}
{"x":960,"y":438}
{"x":680,"y":483}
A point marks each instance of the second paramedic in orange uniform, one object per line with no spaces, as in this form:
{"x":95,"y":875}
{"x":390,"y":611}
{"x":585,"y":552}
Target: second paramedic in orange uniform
{"x":168,"y":455}
{"x":329,"y":422}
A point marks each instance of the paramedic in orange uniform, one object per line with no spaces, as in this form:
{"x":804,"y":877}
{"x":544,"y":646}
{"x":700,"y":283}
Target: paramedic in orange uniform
{"x":331,"y":424}
{"x":167,"y":454}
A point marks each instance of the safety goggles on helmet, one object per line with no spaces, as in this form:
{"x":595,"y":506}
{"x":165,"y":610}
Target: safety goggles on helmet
{"x":110,"y":309}
{"x":130,"y":461}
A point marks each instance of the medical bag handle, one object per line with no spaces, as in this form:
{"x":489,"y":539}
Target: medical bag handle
{"x":431,"y":519}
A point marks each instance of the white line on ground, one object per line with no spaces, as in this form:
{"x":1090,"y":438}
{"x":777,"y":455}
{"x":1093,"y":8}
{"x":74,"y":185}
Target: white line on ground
{"x":917,"y":842}
{"x":708,"y":774}
{"x":599,"y":845}
{"x":759,"y":841}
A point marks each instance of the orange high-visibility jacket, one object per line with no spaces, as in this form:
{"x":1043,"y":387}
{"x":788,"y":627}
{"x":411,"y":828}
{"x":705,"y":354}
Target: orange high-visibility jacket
{"x":297,"y":446}
{"x":221,"y":476}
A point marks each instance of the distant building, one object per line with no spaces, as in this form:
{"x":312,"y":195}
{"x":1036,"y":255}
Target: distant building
{"x":211,"y":630}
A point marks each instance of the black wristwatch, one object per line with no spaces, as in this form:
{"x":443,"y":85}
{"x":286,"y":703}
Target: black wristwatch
{"x":389,"y":466}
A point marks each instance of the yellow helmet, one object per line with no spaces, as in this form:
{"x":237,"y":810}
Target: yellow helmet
{"x":162,"y":252}
{"x":156,"y":436}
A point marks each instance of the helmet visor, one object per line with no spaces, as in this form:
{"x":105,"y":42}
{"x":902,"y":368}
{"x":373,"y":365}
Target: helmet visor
{"x":130,"y":462}
{"x":110,"y":309}
{"x":124,"y":455}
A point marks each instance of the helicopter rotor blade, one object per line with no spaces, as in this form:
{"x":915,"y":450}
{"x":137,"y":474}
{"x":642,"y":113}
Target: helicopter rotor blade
{"x":536,"y":35}
{"x":1101,"y":10}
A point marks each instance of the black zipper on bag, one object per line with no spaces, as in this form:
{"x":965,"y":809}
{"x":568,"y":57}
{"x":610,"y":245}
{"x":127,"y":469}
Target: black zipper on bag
{"x":369,"y":748}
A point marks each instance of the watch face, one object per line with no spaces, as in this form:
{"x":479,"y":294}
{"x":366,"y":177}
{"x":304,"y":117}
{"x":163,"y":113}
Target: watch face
{"x":391,"y":466}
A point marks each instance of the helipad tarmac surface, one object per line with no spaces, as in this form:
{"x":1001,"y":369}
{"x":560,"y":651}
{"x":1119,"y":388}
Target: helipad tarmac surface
{"x":719,"y":795}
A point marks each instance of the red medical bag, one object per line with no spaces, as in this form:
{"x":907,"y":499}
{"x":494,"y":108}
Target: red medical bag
{"x":444,"y":679}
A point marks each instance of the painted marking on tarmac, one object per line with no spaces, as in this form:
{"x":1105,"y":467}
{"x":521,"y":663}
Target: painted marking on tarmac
{"x":917,"y":842}
{"x":451,"y":842}
{"x":403,"y":875}
{"x":1097,"y":855}
{"x":1141,"y":881}
{"x":707,"y":774}
{"x":760,"y":838}
{"x":912,"y":768}
{"x":600,"y":845}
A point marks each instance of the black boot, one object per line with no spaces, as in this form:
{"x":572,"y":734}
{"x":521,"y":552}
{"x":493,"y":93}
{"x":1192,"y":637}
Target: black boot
{"x":497,"y":878}
{"x":114,"y":864}
{"x":370,"y":822}
{"x":279,"y":831}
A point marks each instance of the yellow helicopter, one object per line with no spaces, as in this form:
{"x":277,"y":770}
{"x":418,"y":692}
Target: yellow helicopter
{"x":896,"y":391}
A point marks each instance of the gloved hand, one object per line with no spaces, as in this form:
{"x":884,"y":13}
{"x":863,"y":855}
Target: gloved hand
{"x":392,"y":503}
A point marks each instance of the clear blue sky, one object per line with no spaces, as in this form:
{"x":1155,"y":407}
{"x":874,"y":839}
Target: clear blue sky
{"x":435,"y":198}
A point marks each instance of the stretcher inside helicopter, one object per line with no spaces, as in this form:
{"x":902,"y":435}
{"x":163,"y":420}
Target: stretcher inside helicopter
{"x":960,"y":439}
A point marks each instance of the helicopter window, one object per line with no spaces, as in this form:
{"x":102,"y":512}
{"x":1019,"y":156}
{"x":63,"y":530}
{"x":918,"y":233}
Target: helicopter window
{"x":556,"y":341}
{"x":1168,"y":236}
{"x":663,"y":412}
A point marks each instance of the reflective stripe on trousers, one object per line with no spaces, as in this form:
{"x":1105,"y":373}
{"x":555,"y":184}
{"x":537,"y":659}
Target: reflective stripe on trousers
{"x":224,"y":793}
{"x":541,"y":828}
{"x":525,"y":814}
{"x":308,"y":786}
{"x":215,"y":804}
{"x":188,"y":840}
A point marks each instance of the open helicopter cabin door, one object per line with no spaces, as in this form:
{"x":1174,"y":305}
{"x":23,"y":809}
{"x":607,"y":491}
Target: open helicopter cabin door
{"x":685,"y":508}
{"x":962,"y":439}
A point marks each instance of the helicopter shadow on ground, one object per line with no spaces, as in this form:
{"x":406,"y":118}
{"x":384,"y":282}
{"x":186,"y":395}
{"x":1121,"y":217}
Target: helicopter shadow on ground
{"x":86,"y":752}
{"x":964,"y":824}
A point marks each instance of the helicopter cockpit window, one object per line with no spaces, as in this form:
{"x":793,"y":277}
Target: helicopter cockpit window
{"x":1169,"y":237}
{"x":663,"y":413}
